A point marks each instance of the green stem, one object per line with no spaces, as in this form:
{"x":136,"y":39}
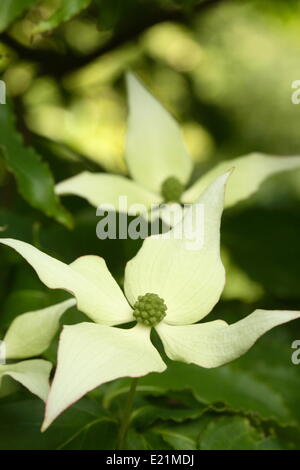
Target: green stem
{"x":127,"y":413}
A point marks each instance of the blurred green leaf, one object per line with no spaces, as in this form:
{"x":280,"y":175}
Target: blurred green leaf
{"x":271,"y":443}
{"x":237,"y":389}
{"x":271,"y":363}
{"x":109,"y":13}
{"x":154,"y":441}
{"x":178,"y":440}
{"x":148,"y":414}
{"x":21,"y":301}
{"x":34,"y":179}
{"x":15,"y":225}
{"x":97,"y":435}
{"x":265,"y":244}
{"x":211,"y":432}
{"x":229,"y":433}
{"x":20,"y":422}
{"x":65,"y":12}
{"x":136,"y":440}
{"x":11,"y":9}
{"x":184,"y":436}
{"x":263,"y":384}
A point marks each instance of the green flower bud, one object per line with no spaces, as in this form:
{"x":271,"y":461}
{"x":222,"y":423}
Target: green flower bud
{"x":172,"y":189}
{"x":149,"y":309}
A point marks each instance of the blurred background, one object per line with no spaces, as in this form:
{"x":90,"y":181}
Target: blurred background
{"x":225,"y":70}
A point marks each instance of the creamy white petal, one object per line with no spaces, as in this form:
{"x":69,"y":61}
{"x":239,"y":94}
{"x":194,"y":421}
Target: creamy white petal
{"x":250,"y":171}
{"x":90,"y":355}
{"x":170,"y":213}
{"x":87,"y":278}
{"x":31,"y":333}
{"x":33,"y":374}
{"x":215,"y":343}
{"x":154,"y":146}
{"x":101,"y":189}
{"x":185,"y":269}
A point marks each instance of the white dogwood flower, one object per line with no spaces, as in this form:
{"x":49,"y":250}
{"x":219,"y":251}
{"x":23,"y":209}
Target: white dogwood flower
{"x":167,"y":287}
{"x":28,"y":336}
{"x":160,"y":166}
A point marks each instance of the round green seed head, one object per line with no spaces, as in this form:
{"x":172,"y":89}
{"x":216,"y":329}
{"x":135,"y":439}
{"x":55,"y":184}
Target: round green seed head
{"x":149,"y":309}
{"x":172,"y":189}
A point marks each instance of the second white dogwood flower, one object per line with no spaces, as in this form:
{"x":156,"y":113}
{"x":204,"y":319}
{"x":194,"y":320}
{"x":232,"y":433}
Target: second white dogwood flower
{"x":160,"y":166}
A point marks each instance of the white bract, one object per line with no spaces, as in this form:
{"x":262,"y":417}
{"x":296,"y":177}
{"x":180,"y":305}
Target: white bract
{"x":29,"y":335}
{"x":155,"y":153}
{"x":189,"y":282}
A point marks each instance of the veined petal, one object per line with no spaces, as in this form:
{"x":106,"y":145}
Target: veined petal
{"x":101,"y":189}
{"x":250,"y":171}
{"x":170,"y":213}
{"x":183,"y":266}
{"x":90,"y":355}
{"x":215,"y":343}
{"x":31,"y":333}
{"x":33,"y":374}
{"x":87,"y":278}
{"x":154,"y":146}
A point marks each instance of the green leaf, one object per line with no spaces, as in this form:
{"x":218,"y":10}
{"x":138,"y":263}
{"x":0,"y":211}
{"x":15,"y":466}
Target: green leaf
{"x":236,"y":433}
{"x":11,"y":9}
{"x":288,"y":436}
{"x":110,"y":13}
{"x":34,"y":179}
{"x":155,"y":441}
{"x":148,"y":414}
{"x":8,"y":386}
{"x":14,"y":225}
{"x":136,"y":441}
{"x":270,"y":444}
{"x":240,"y":390}
{"x":271,"y":363}
{"x":83,"y":425}
{"x":229,"y":433}
{"x":211,"y":432}
{"x":97,"y":435}
{"x":184,"y":436}
{"x":65,"y":12}
{"x":263,"y":383}
{"x":23,"y":300}
{"x":265,"y":244}
{"x":178,"y":440}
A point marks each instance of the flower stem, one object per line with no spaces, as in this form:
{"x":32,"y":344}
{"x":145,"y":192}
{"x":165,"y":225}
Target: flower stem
{"x":127,"y":413}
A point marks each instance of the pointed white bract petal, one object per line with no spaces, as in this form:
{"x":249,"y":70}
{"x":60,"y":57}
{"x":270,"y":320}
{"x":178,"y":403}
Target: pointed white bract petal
{"x":215,"y":343}
{"x":90,"y":355}
{"x":33,"y":374}
{"x":184,"y":269}
{"x":154,"y":146}
{"x":30,"y":334}
{"x":88,"y":279}
{"x":101,"y":189}
{"x":250,"y":171}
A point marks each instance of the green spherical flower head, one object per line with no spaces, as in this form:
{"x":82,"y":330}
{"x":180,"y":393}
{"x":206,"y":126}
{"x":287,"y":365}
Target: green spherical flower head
{"x":172,"y":189}
{"x":149,"y":309}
